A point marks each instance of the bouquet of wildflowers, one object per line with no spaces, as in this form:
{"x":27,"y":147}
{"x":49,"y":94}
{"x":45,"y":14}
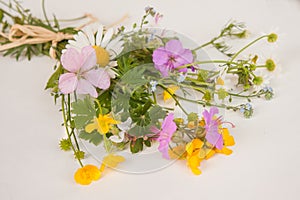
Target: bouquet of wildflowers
{"x":127,"y":89}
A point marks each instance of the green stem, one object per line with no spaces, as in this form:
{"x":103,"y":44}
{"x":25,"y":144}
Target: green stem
{"x":69,"y":119}
{"x":67,"y":129}
{"x":44,"y":13}
{"x":173,"y":96}
{"x":154,"y":97}
{"x":248,"y":45}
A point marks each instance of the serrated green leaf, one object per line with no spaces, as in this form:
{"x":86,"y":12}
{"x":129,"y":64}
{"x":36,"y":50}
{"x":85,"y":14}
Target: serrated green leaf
{"x":84,"y":111}
{"x":93,"y":137}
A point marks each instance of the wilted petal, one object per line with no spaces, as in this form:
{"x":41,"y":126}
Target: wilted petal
{"x":71,"y":60}
{"x":85,"y":87}
{"x":116,"y":138}
{"x":67,"y":83}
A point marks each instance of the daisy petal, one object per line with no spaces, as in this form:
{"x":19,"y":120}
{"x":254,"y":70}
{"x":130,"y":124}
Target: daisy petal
{"x":71,"y":60}
{"x":108,"y":34}
{"x":99,"y":78}
{"x":90,"y":35}
{"x":85,"y":87}
{"x":99,"y":35}
{"x":117,"y":139}
{"x":67,"y":83}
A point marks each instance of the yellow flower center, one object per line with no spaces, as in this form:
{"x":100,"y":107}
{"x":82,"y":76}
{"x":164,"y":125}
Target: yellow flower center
{"x":102,"y":56}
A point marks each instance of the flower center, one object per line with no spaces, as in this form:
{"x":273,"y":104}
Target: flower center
{"x":102,"y":56}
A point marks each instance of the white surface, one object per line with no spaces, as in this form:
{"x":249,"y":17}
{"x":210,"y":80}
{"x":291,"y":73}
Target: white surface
{"x":265,"y":163}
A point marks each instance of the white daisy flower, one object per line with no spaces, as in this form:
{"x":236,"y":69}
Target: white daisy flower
{"x":106,"y":49}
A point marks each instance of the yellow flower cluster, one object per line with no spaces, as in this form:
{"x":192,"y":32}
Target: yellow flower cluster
{"x":196,"y":151}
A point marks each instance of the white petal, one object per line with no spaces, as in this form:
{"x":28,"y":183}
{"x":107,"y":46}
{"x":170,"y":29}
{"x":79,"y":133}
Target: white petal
{"x":117,"y":139}
{"x":107,"y":37}
{"x":90,"y":35}
{"x":124,"y":126}
{"x":99,"y":35}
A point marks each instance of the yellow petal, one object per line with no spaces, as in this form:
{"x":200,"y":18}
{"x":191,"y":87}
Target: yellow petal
{"x":87,"y":174}
{"x":90,"y":127}
{"x":225,"y":151}
{"x":196,"y":171}
{"x":172,"y":90}
{"x":112,"y":160}
{"x":220,"y":81}
{"x":228,"y":139}
{"x":209,"y":154}
{"x":177,"y":152}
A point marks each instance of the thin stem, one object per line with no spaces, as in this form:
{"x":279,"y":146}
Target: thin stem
{"x":248,"y":45}
{"x":67,"y":129}
{"x":173,"y":96}
{"x":69,"y":119}
{"x":68,"y":20}
{"x":154,"y":97}
{"x":44,"y":12}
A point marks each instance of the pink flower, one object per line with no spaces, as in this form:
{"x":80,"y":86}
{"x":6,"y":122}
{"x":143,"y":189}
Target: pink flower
{"x":212,"y":127}
{"x":82,"y":76}
{"x":171,"y":56}
{"x":168,"y":128}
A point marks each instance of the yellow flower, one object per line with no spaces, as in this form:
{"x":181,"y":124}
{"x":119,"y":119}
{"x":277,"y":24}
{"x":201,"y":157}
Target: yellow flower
{"x":102,"y":124}
{"x":87,"y":174}
{"x":111,"y":161}
{"x":172,"y":89}
{"x":220,"y":81}
{"x":193,"y":159}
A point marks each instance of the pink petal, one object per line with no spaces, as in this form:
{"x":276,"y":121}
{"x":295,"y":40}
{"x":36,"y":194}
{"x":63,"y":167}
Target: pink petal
{"x":168,"y":125}
{"x":89,"y":58}
{"x":71,"y":60}
{"x":160,"y":56}
{"x":174,"y":47}
{"x":164,"y":149}
{"x":85,"y":87}
{"x":99,"y":78}
{"x":67,"y":83}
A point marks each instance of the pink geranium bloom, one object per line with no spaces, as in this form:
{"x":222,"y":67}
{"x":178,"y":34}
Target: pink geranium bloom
{"x":212,"y":128}
{"x":82,"y":76}
{"x":171,"y":56}
{"x":168,"y":128}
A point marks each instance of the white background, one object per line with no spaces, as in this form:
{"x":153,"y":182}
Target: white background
{"x":265,"y":163}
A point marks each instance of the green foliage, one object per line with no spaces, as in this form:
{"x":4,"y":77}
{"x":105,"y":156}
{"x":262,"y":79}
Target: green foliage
{"x":84,"y":111}
{"x":93,"y":137}
{"x":192,"y":117}
{"x":137,"y":145}
{"x":222,"y":94}
{"x":53,"y":80}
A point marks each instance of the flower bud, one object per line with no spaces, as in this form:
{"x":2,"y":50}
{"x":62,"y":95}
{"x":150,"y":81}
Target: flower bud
{"x":258,"y":80}
{"x":272,"y":37}
{"x":270,"y":65}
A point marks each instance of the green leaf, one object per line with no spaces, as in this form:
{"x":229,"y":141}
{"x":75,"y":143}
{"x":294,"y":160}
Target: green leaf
{"x":136,"y":146}
{"x":93,"y":137}
{"x":147,"y":143}
{"x":222,"y":94}
{"x":207,"y":96}
{"x":1,"y":15}
{"x":84,"y":111}
{"x":53,"y":80}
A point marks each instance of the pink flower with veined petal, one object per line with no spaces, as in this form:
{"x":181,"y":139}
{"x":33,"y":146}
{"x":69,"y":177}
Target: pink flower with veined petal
{"x":168,"y":128}
{"x":82,"y":76}
{"x":172,"y":56}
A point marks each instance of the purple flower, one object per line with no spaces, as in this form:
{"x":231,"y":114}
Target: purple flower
{"x":168,"y":128}
{"x":212,"y":128}
{"x":82,"y":76}
{"x":171,"y":56}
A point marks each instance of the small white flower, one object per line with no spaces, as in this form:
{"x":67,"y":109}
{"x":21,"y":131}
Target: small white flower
{"x":124,"y":126}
